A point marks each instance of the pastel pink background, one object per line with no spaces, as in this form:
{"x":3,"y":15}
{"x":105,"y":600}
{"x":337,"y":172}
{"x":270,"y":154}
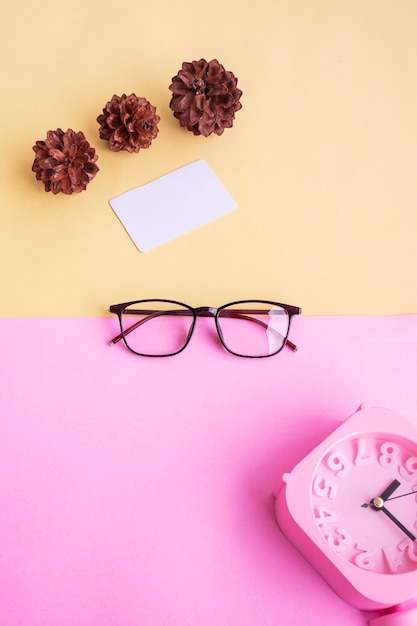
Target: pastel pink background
{"x":139,"y":492}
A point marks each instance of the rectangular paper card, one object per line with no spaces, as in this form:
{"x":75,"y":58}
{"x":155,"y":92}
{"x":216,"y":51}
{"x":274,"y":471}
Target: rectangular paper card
{"x":172,"y":205}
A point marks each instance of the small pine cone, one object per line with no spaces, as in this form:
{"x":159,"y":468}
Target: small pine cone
{"x":128,"y":123}
{"x":64,"y":161}
{"x":205,"y":97}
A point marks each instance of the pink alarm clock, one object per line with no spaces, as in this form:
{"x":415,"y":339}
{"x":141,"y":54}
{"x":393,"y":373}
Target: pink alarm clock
{"x":350,"y":507}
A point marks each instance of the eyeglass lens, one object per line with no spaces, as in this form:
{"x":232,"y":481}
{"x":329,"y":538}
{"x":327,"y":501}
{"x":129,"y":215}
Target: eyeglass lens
{"x":253,"y":329}
{"x":155,"y":328}
{"x":250,"y":328}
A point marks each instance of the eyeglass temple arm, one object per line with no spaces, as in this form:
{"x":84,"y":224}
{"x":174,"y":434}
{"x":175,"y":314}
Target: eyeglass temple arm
{"x":237,"y":314}
{"x":152,"y":316}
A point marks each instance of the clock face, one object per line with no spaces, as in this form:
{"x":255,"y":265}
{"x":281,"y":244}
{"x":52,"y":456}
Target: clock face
{"x":363,"y":502}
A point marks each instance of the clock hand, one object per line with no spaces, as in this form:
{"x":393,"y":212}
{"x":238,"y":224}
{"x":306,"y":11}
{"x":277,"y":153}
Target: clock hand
{"x":378,"y":504}
{"x":396,"y":521}
{"x":390,"y":490}
{"x":410,"y":493}
{"x":385,"y":494}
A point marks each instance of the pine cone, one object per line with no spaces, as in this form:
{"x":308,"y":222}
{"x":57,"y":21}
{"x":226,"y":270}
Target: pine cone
{"x":65,"y":161}
{"x":129,"y":123}
{"x":205,"y":97}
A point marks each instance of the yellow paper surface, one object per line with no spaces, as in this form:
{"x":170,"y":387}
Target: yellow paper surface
{"x":322,"y":158}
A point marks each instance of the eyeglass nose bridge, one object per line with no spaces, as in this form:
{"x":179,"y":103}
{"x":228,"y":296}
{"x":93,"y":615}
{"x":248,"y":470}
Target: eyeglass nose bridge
{"x":206,"y":311}
{"x":209,"y":311}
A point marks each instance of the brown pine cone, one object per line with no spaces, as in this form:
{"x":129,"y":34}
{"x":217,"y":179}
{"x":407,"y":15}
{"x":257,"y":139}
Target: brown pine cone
{"x":65,"y":161}
{"x":128,"y":123}
{"x":205,"y":97}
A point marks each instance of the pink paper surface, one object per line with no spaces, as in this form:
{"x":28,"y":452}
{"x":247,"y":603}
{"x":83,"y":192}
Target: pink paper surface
{"x":139,"y":492}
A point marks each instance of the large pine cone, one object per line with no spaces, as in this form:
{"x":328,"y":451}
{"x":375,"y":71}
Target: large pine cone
{"x":65,"y":161}
{"x":129,"y":123}
{"x":205,"y":97}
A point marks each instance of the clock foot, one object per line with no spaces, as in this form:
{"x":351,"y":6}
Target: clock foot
{"x":397,"y":618}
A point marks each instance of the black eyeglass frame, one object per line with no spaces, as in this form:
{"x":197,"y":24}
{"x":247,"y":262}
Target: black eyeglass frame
{"x":202,"y":311}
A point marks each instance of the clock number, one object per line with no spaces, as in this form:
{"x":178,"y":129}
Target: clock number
{"x":339,"y":464}
{"x":361,"y":457}
{"x":393,"y":561}
{"x":326,"y":516}
{"x":389,"y":454}
{"x":363,"y":559}
{"x":340,"y":541}
{"x":409,"y":547}
{"x":410,"y":470}
{"x":324,"y":488}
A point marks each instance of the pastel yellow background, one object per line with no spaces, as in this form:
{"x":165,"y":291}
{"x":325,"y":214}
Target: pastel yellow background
{"x":321,"y":159}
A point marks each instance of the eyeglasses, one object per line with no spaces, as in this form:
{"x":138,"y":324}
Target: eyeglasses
{"x":246,"y":328}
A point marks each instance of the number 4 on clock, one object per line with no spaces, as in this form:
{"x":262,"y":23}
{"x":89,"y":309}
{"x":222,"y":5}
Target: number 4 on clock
{"x":326,"y":516}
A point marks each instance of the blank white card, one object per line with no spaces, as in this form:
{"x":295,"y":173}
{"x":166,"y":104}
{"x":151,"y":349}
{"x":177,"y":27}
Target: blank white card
{"x":172,"y":205}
